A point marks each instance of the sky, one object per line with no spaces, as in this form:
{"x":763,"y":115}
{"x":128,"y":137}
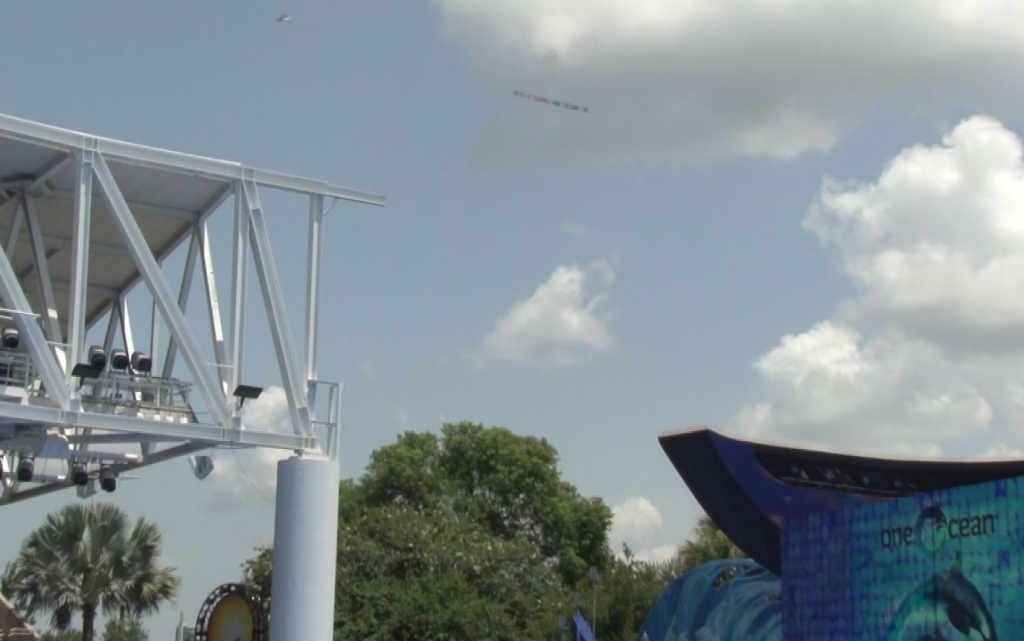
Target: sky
{"x":792,"y":221}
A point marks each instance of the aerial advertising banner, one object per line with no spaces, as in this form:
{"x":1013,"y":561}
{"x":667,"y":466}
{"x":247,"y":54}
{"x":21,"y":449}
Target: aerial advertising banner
{"x":943,"y":567}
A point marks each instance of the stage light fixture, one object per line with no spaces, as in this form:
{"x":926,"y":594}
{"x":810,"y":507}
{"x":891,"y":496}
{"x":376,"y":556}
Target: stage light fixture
{"x":10,"y":338}
{"x":202,"y":466}
{"x":26,"y":468}
{"x":97,"y":357}
{"x":108,"y":480}
{"x":80,"y":474}
{"x":141,"y":362}
{"x":119,"y":359}
{"x":243,"y":392}
{"x":82,"y":370}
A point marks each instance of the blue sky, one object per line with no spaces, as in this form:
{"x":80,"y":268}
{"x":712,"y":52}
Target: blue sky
{"x":771,"y":221}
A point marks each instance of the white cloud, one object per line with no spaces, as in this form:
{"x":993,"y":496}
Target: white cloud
{"x":574,"y":229}
{"x":936,"y":244}
{"x":562,"y":323}
{"x":368,"y":366}
{"x":684,"y":79}
{"x":928,"y":353}
{"x":245,"y":476}
{"x":830,"y":388}
{"x":657,"y":554}
{"x":1001,"y":452}
{"x":635,"y":522}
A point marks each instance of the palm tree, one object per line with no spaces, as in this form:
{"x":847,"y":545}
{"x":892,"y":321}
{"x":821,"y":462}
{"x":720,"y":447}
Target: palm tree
{"x":708,"y":544}
{"x":89,"y":559}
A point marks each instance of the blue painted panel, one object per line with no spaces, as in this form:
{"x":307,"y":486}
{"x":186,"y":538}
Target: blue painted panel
{"x":705,"y":604}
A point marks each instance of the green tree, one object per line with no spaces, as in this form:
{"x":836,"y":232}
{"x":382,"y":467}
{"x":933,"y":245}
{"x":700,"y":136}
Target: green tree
{"x":625,"y":596}
{"x":708,"y":544}
{"x":468,"y":534}
{"x":88,"y":559}
{"x":508,"y":483}
{"x":412,"y":574}
{"x":124,"y":629}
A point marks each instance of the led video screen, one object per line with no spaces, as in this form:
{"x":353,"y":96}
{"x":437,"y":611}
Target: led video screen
{"x":940,"y":567}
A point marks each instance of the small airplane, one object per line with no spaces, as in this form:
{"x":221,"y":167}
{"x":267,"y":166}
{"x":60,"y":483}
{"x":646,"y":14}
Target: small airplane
{"x":284,"y":17}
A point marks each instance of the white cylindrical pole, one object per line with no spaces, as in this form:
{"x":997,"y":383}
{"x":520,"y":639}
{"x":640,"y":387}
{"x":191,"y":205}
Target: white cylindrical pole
{"x":305,"y":550}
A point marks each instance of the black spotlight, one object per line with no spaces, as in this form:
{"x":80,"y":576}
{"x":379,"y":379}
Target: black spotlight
{"x":108,"y":481}
{"x":243,"y":392}
{"x":118,"y":359}
{"x":141,"y":362}
{"x":26,"y":468}
{"x":97,"y":357}
{"x":80,"y":474}
{"x":10,"y":338}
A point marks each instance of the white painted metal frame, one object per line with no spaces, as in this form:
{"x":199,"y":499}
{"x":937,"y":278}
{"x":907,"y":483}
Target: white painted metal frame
{"x":54,"y":350}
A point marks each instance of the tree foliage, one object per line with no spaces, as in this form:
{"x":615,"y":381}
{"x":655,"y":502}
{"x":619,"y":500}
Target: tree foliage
{"x":124,"y":629}
{"x":88,"y":559}
{"x":471,"y":533}
{"x":508,"y":483}
{"x":626,"y":594}
{"x":709,"y":543}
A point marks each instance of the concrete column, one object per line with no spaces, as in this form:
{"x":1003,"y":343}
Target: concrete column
{"x":305,"y":550}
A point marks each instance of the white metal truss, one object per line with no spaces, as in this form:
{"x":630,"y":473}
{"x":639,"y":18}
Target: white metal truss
{"x":49,"y":405}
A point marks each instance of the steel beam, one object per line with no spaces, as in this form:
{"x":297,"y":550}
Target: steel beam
{"x":313,"y":268}
{"x":159,"y":457}
{"x":102,"y":291}
{"x":42,"y":270}
{"x":79,"y":260}
{"x":120,"y":438}
{"x":16,"y":223}
{"x":126,"y":324}
{"x":56,"y":242}
{"x":263,"y":259}
{"x":65,"y":140}
{"x":111,"y":333}
{"x":154,"y":335}
{"x":183,"y":294}
{"x":208,"y":208}
{"x":55,"y":168}
{"x":213,"y":306}
{"x":140,"y":207}
{"x":208,"y":433}
{"x":51,"y":375}
{"x":133,"y":239}
{"x":239,"y":285}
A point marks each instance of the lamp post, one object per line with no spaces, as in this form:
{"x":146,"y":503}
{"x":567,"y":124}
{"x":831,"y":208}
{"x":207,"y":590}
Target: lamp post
{"x":595,"y":578}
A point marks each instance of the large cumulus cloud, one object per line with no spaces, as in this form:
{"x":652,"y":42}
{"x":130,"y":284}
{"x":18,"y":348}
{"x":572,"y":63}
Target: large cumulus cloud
{"x":688,"y":79}
{"x":928,"y":355}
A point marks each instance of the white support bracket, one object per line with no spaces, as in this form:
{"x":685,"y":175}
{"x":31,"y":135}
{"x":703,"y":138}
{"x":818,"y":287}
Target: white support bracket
{"x":42,"y":271}
{"x":313,"y":270}
{"x":239,"y":283}
{"x":183,"y":295}
{"x":273,"y":299}
{"x":213,"y":306}
{"x":79,"y":260}
{"x":51,"y":375}
{"x":16,"y":223}
{"x":135,"y":242}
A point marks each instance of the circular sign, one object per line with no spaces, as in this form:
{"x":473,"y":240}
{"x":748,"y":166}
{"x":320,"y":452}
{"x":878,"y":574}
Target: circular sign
{"x":230,"y":614}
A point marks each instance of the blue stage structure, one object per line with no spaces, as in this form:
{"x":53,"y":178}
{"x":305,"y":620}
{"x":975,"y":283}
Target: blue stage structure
{"x":720,"y":600}
{"x":581,"y":629}
{"x":847,"y":548}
